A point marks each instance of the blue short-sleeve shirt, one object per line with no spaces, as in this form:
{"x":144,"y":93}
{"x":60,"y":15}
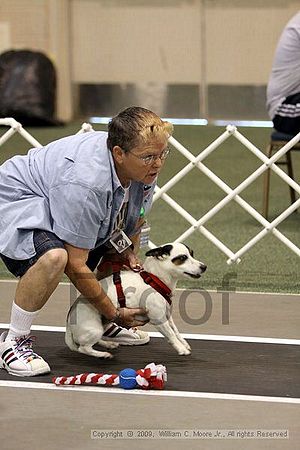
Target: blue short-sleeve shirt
{"x":69,"y":187}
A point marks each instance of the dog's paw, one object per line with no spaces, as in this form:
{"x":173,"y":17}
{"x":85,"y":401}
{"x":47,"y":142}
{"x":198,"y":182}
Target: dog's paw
{"x":182,"y":350}
{"x":184,"y":342}
{"x":88,"y":350}
{"x":106,"y":355}
{"x":187,"y":345}
{"x":110,"y":345}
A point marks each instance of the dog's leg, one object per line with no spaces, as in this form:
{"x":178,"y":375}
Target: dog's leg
{"x":89,"y":350}
{"x":178,"y":335}
{"x":159,"y":314}
{"x":168,"y":332}
{"x":108,"y":344}
{"x":90,"y":337}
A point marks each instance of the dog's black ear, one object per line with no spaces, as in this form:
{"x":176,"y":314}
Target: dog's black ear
{"x":190,"y":250}
{"x":159,"y":252}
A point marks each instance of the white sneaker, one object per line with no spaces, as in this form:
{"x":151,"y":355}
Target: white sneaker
{"x":18,"y":357}
{"x":124,"y":336}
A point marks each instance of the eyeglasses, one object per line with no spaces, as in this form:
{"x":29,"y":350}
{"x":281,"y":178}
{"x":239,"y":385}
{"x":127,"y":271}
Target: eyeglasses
{"x":149,"y":159}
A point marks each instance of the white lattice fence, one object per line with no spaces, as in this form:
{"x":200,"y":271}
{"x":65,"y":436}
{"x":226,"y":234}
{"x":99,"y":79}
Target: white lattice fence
{"x":197,"y":225}
{"x":232,"y":194}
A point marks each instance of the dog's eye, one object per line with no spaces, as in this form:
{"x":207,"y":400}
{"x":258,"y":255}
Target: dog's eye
{"x":179,"y":259}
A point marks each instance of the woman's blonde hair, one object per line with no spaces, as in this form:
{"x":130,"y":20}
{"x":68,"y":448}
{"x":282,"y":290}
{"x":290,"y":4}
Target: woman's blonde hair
{"x":136,"y":126}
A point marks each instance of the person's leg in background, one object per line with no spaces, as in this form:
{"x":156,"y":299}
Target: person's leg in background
{"x":287,"y":118}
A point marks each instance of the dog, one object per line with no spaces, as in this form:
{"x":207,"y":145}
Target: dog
{"x":169,"y":263}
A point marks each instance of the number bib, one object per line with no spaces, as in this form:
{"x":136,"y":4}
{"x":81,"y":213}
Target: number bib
{"x":120,"y":241}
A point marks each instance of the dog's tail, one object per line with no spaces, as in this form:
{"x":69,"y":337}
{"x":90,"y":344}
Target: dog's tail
{"x":69,"y":339}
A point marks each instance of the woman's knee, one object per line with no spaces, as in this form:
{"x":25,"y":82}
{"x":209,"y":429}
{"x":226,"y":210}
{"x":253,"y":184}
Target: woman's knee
{"x":55,"y":259}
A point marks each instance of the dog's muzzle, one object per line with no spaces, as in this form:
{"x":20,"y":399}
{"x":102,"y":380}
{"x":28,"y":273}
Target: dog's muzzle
{"x":203,"y":268}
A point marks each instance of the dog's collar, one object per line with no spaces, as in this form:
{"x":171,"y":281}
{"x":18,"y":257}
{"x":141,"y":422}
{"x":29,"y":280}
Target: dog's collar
{"x":157,"y":284}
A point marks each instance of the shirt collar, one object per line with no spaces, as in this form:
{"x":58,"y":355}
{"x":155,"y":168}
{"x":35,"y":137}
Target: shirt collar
{"x":115,"y":179}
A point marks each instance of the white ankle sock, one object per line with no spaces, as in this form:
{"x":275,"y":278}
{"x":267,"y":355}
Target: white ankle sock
{"x":20,"y":321}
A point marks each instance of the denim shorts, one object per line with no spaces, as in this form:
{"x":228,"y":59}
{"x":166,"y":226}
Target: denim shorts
{"x":95,"y":256}
{"x":43,"y":241}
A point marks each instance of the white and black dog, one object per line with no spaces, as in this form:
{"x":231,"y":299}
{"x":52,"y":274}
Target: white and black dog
{"x":168,"y":264}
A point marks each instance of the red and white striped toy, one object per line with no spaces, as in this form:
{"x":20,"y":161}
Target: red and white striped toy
{"x":153,"y":376}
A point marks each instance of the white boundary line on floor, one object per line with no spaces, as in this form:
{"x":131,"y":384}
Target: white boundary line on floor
{"x":201,"y":337}
{"x":214,"y":291}
{"x":164,"y":393}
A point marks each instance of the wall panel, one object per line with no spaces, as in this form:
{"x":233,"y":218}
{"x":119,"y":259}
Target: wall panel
{"x":127,"y":42}
{"x":183,"y":57}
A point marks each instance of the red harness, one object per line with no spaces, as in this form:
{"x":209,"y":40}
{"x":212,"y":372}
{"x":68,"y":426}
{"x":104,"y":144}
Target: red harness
{"x":157,"y":284}
{"x":148,"y":278}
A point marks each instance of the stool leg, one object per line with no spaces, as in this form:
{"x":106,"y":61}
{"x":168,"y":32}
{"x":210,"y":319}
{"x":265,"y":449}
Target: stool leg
{"x":266,"y":187}
{"x":290,"y":174}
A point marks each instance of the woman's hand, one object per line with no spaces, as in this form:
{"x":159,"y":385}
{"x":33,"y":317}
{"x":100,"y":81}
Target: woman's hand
{"x":127,"y":260}
{"x":132,"y":317}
